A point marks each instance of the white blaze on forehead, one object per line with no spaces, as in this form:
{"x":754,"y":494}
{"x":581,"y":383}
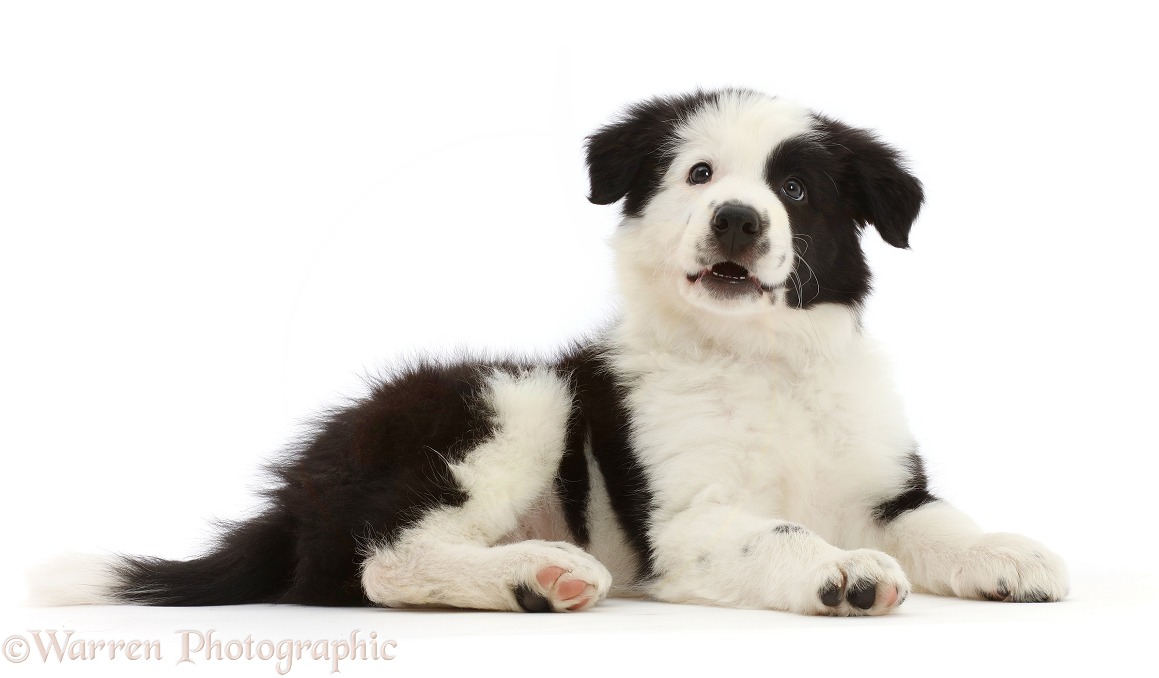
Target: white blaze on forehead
{"x":737,"y":132}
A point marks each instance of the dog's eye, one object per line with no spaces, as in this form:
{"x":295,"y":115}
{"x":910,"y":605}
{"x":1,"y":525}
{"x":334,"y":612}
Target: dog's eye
{"x":700,"y":173}
{"x":793,"y":189}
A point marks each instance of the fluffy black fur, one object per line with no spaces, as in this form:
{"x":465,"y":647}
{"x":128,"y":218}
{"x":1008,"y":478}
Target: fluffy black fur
{"x":371,"y":470}
{"x":601,"y":414}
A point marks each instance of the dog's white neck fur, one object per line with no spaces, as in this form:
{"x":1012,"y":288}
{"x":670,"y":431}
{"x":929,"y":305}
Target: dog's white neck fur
{"x":657,"y":319}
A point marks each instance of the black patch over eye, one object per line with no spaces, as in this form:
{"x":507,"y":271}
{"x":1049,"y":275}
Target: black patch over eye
{"x":793,"y":189}
{"x":700,"y":173}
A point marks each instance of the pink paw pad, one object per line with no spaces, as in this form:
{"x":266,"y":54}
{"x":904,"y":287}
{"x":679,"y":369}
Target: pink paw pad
{"x":565,"y":592}
{"x":889,"y":596}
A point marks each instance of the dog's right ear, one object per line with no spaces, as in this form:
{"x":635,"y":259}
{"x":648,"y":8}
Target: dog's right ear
{"x":628,"y":156}
{"x":615,"y":152}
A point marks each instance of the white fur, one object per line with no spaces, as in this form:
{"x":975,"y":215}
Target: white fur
{"x":73,"y":579}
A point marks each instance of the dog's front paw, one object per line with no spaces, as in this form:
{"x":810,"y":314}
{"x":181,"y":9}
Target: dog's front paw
{"x":861,"y":582}
{"x":1010,"y":567}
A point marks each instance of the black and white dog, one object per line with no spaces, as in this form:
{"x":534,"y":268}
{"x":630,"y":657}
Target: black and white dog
{"x":734,"y":439}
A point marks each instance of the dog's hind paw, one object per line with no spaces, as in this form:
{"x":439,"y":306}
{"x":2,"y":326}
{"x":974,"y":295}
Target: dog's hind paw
{"x":563,"y":578}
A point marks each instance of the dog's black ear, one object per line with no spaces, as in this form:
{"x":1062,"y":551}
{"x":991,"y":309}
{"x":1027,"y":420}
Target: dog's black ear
{"x":618,"y":151}
{"x":628,"y":156}
{"x":884,"y":193}
{"x":613,"y":160}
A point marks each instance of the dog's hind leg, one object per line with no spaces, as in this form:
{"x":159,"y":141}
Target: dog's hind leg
{"x":532,"y":576}
{"x":454,"y":556}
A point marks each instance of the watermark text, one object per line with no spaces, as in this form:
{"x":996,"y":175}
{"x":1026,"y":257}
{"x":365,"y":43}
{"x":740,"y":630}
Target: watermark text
{"x":197,"y":647}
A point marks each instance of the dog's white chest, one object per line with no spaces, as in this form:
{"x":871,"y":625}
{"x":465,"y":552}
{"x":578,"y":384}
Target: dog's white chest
{"x":735,"y":429}
{"x":773,"y":437}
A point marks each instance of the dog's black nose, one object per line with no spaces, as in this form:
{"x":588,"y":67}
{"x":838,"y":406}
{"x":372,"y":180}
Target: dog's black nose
{"x":736,"y":226}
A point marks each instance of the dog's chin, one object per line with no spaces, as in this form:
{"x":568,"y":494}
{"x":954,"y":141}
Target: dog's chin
{"x":727,"y":287}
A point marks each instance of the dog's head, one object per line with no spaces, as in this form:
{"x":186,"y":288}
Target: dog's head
{"x":741,"y":202}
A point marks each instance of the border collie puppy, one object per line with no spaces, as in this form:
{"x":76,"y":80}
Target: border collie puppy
{"x":733,"y":439}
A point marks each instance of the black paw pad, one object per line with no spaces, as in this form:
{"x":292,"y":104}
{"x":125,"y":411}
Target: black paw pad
{"x":531,"y":601}
{"x":862,"y":595}
{"x":831,"y":595}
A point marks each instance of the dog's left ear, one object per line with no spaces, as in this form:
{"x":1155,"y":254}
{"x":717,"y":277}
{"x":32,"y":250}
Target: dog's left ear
{"x":884,"y":193}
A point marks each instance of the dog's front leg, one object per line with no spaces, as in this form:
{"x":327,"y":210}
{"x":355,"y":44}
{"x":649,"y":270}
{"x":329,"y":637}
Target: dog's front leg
{"x":723,"y":555}
{"x":944,"y":552}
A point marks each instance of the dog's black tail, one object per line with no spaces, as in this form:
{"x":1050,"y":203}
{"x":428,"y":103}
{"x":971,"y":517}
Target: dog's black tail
{"x":252,"y":562}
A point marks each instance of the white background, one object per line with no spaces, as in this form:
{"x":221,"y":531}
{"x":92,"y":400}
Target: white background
{"x":218,"y":218}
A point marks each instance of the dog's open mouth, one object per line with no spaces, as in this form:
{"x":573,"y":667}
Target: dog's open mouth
{"x":729,"y":280}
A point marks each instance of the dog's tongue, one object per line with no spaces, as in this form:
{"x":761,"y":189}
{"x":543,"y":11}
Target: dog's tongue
{"x":728,"y":269}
